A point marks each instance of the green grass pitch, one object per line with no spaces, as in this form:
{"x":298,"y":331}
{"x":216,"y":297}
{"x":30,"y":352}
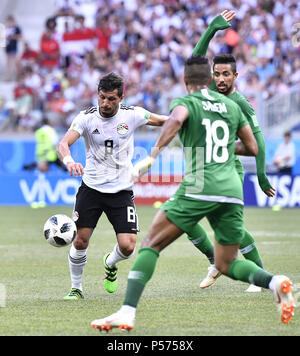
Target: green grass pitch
{"x":35,"y":277}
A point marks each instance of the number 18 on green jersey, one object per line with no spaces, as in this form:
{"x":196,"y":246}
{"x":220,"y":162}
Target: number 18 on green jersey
{"x":208,"y":137}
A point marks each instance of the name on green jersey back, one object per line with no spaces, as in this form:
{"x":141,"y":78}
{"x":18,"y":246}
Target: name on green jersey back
{"x":214,"y":107}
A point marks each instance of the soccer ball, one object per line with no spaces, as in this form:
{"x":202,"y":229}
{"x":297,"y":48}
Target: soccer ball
{"x":60,"y":230}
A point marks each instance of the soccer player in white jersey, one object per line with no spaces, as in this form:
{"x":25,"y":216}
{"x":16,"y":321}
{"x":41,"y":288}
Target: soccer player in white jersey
{"x":106,"y":180}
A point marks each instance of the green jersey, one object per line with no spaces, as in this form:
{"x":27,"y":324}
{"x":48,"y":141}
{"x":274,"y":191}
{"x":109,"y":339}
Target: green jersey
{"x":208,"y":137}
{"x":249,"y":114}
{"x":246,"y":108}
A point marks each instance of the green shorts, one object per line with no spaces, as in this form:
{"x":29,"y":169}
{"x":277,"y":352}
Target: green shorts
{"x":226,"y":219}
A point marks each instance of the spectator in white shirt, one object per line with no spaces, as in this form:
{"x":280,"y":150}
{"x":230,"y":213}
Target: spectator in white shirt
{"x":285,"y":155}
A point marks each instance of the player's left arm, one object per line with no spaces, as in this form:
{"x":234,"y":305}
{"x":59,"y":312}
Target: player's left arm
{"x":260,"y":159}
{"x":156,"y":119}
{"x":261,"y":166}
{"x":169,"y":131}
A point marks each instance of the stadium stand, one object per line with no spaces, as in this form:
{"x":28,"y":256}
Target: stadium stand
{"x":66,"y":48}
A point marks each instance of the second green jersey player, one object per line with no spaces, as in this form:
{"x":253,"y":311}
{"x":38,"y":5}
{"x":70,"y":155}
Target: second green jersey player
{"x":224,"y":75}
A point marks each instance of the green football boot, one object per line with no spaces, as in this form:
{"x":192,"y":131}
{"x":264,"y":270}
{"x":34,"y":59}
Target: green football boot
{"x":75,"y":294}
{"x":111,"y":279}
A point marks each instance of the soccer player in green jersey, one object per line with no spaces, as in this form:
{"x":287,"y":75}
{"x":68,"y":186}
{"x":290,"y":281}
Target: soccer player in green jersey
{"x":224,"y":76}
{"x":207,"y":123}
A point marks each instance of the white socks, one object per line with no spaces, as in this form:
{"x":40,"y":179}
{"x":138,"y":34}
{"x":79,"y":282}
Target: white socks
{"x":116,"y":256}
{"x":77,"y":261}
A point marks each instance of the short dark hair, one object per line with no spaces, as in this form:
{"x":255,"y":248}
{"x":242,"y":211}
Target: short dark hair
{"x":51,"y":23}
{"x":110,"y":82}
{"x":197,"y":70}
{"x":225,"y":59}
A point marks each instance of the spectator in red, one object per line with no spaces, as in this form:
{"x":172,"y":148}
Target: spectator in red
{"x":23,"y":102}
{"x":29,"y":54}
{"x":79,"y":41}
{"x":103,"y":33}
{"x":21,"y":89}
{"x":51,"y":26}
{"x":231,"y":39}
{"x":50,"y":52}
{"x":83,"y":32}
{"x":57,"y":103}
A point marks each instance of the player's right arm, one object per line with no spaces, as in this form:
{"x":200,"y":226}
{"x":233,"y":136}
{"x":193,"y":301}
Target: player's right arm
{"x":221,"y":22}
{"x":260,"y":159}
{"x":63,"y":149}
{"x":261,"y":166}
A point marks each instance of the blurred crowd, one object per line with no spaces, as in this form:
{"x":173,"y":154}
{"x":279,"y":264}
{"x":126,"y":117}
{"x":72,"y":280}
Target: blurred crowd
{"x":147,"y":43}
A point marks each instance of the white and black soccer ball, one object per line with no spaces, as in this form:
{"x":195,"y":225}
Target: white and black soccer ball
{"x":60,"y":230}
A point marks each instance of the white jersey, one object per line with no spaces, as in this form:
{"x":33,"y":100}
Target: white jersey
{"x":109,"y":145}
